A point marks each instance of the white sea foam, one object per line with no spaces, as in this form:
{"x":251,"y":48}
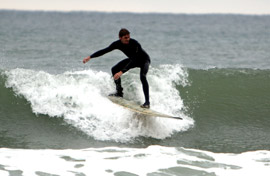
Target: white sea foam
{"x":154,"y":160}
{"x":80,"y":99}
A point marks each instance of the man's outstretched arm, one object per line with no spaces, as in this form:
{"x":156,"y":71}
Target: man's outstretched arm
{"x":100,"y":52}
{"x":86,"y":59}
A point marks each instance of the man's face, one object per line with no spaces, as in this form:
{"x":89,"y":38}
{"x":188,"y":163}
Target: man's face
{"x":125,"y":39}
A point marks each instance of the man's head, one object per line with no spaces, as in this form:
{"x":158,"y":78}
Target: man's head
{"x":124,"y":36}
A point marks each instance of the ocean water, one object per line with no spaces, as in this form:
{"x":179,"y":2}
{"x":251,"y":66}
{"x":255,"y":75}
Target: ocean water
{"x":212,"y":70}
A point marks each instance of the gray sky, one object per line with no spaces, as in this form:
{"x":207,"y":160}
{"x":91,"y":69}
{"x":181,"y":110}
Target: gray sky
{"x":167,"y":6}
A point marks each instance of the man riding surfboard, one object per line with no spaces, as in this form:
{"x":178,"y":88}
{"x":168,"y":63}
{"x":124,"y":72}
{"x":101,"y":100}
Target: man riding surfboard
{"x":137,"y":58}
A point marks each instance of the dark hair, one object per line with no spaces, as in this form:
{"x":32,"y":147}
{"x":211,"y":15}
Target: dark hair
{"x":123,"y":32}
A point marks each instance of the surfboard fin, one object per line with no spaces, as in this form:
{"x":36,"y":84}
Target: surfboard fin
{"x":179,"y":118}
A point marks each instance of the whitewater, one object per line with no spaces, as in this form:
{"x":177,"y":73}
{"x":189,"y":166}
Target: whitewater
{"x":151,"y":161}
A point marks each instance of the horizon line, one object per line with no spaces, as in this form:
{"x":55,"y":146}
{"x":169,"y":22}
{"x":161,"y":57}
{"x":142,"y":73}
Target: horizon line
{"x":134,"y":12}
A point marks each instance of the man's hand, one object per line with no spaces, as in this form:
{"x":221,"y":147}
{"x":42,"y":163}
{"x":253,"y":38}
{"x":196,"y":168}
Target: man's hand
{"x":117,"y":75}
{"x":86,"y":59}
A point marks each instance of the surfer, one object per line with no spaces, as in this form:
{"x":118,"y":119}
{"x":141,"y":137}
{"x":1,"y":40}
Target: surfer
{"x":137,"y":57}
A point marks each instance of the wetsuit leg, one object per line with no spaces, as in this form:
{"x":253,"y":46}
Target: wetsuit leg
{"x":143,"y":73}
{"x":115,"y":69}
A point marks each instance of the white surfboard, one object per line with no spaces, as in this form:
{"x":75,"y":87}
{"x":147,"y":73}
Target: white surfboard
{"x":133,"y":106}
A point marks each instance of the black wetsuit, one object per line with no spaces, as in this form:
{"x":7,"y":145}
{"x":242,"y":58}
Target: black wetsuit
{"x":137,"y":57}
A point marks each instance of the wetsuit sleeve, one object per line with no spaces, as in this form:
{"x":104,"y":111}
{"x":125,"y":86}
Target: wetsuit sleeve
{"x":103,"y":51}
